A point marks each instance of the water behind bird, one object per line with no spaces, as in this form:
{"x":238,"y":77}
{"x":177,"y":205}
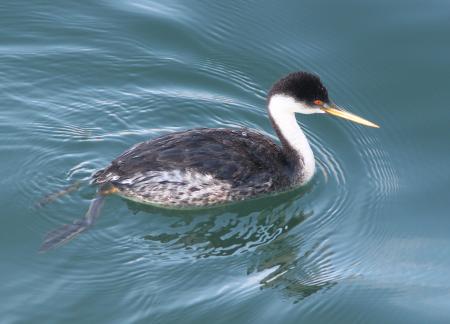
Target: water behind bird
{"x":366,"y":241}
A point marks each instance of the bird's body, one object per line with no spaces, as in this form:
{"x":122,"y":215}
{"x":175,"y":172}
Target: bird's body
{"x":200,"y":167}
{"x":206,"y":166}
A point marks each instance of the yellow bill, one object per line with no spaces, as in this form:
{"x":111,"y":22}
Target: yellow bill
{"x":349,"y":116}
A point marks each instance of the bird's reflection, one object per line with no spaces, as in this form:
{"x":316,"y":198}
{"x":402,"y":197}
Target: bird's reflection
{"x":296,"y":274}
{"x":260,"y":228}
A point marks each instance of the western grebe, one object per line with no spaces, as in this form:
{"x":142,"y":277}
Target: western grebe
{"x":211,"y":166}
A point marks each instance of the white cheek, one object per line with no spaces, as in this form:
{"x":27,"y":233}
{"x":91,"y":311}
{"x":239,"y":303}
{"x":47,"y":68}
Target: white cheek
{"x":288,"y":104}
{"x":301,"y":109}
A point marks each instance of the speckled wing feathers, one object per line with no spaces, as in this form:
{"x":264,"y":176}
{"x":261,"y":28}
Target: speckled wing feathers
{"x":244,"y":161}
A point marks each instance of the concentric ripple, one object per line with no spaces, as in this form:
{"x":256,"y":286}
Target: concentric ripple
{"x":130,"y":71}
{"x":287,"y":238}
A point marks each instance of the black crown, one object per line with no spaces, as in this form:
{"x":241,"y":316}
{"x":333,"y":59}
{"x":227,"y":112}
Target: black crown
{"x":302,"y":86}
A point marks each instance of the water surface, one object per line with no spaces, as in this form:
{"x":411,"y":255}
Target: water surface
{"x":366,"y":241}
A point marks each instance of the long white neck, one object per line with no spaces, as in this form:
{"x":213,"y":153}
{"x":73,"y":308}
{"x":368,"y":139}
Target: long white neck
{"x":295,"y":144}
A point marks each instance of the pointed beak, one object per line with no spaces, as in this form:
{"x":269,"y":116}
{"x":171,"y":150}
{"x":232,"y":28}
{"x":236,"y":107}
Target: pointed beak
{"x":336,"y":111}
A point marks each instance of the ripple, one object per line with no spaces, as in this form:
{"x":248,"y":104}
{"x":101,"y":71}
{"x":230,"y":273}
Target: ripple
{"x":150,"y":8}
{"x":81,"y":82}
{"x":303,"y":266}
{"x":286,"y":243}
{"x":64,"y":132}
{"x":289,"y":243}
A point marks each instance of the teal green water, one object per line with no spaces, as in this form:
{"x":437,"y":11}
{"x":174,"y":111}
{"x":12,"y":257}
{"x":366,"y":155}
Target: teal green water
{"x":367,"y":242}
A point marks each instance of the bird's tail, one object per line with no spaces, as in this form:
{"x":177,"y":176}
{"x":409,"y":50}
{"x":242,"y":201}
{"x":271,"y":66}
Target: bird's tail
{"x":64,"y":234}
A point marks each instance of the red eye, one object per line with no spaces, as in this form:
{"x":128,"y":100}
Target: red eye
{"x":318,"y":102}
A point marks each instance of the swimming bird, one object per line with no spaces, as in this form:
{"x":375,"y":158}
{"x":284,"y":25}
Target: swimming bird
{"x":211,"y":166}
